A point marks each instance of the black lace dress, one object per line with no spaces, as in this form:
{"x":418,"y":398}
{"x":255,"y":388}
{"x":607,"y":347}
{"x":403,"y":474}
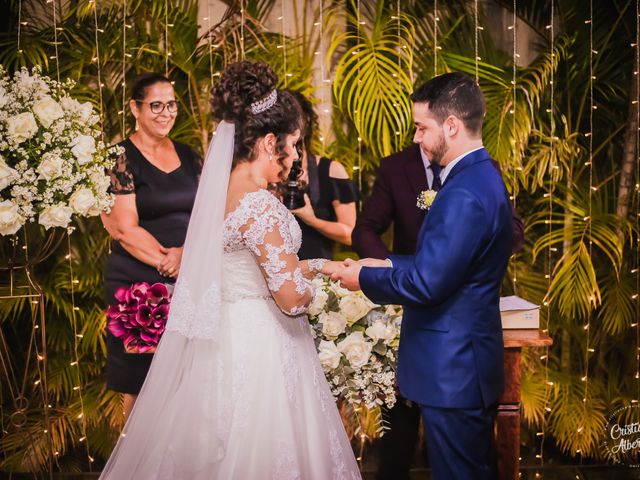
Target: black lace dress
{"x":164,"y":202}
{"x":323,"y":190}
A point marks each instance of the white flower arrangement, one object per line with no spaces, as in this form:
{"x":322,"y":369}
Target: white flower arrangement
{"x":357,"y":343}
{"x":52,"y":161}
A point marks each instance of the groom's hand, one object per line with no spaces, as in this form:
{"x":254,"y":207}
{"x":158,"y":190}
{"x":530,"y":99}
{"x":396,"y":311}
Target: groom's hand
{"x":348,"y":275}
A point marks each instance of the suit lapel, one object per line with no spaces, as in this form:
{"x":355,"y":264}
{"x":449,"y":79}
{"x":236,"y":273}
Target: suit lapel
{"x":480,"y":155}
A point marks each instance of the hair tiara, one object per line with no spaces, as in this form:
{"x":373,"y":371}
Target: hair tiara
{"x":264,"y":104}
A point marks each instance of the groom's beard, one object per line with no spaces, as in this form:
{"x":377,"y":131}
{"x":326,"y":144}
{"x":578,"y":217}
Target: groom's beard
{"x":437,"y":152}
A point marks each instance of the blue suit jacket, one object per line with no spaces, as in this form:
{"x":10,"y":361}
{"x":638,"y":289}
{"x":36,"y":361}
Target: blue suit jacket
{"x":451,"y":347}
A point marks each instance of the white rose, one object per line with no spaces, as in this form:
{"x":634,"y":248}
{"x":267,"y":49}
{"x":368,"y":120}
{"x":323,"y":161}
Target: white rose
{"x":82,"y":201}
{"x":10,"y":219}
{"x":47,"y":110}
{"x":338,"y":290}
{"x":85,"y":110}
{"x":50,"y":166}
{"x":84,"y":146}
{"x":354,"y":307}
{"x":100,"y":180}
{"x":317,"y":282}
{"x":7,"y":174}
{"x":382,"y":331}
{"x":329,"y":355}
{"x":26,"y":82}
{"x":356,"y":349}
{"x":69,"y":105}
{"x":333,"y":324}
{"x":319,"y":301}
{"x":21,"y":127}
{"x":58,"y":215}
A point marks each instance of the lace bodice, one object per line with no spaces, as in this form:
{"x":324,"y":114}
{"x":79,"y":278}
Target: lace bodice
{"x":262,"y":226}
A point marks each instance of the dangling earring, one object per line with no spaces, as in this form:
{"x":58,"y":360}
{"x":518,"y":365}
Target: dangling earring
{"x":137,"y":127}
{"x":270,"y":157}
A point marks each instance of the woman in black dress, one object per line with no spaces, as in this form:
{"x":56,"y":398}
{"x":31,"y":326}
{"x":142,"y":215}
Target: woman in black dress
{"x":154,"y":181}
{"x":329,"y":214}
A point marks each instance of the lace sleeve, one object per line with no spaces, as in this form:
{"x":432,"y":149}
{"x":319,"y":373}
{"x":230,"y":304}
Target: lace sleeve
{"x":121,"y":176}
{"x":270,"y":238}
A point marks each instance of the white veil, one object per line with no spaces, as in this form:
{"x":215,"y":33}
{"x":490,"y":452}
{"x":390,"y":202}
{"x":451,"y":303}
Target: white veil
{"x":200,"y":278}
{"x":169,"y":435}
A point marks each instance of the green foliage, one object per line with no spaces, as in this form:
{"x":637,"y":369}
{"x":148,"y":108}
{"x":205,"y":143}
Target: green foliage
{"x":372,"y":76}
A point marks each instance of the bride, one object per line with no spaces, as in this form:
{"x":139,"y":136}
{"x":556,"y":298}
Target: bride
{"x":235,"y":390}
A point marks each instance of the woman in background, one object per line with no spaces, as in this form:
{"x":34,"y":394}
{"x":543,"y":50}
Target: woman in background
{"x":329,"y":214}
{"x":154,"y":181}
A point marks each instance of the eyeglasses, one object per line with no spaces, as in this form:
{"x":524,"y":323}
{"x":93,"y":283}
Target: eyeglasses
{"x":158,"y":107}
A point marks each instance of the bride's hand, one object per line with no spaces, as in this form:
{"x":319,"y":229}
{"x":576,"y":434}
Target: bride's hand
{"x":374,"y":262}
{"x":331,"y":267}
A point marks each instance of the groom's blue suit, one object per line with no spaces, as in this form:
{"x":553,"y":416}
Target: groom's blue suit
{"x":451,"y":347}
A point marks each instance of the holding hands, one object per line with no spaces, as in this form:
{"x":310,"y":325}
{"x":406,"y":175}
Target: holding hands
{"x":349,"y":273}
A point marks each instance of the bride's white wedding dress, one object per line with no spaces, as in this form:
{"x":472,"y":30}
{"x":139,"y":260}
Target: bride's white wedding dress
{"x":244,"y":398}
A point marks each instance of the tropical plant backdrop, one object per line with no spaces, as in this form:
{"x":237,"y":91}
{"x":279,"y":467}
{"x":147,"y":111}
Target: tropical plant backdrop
{"x":564,"y":129}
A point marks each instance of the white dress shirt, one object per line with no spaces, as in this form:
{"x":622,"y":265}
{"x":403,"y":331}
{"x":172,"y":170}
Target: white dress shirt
{"x":427,"y":168}
{"x":445,"y":171}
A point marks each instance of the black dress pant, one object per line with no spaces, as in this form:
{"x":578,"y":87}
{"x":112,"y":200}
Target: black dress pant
{"x":398,"y":445}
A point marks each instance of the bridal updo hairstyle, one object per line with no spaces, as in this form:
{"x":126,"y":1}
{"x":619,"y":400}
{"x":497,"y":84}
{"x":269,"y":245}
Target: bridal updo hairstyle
{"x":242,"y":84}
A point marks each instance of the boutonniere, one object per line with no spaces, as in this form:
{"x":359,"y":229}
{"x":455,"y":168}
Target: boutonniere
{"x":425,"y":199}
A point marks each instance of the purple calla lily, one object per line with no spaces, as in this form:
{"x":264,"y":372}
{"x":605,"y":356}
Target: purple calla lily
{"x":140,"y":315}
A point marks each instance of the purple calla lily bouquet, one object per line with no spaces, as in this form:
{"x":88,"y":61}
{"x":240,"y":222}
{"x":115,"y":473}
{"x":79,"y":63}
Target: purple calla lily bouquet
{"x":140,"y":316}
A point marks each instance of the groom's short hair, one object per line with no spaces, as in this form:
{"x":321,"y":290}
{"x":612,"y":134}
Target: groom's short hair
{"x":455,"y":94}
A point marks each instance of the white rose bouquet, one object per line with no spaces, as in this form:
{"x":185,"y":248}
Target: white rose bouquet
{"x":52,"y":161}
{"x":357,"y":343}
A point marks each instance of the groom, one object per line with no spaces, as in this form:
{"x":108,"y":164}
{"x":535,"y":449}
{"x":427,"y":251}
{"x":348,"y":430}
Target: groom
{"x":451,"y":349}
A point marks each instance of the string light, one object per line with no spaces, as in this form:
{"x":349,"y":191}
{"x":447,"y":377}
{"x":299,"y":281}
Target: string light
{"x":549,"y":222}
{"x":124,"y":64}
{"x":98,"y":65}
{"x":20,"y":27}
{"x":167,"y":54}
{"x":55,"y":37}
{"x":210,"y":40}
{"x":283,"y":45}
{"x":515,"y":161}
{"x":637,"y":200}
{"x":476,"y":28}
{"x":18,"y":388}
{"x":76,"y":360}
{"x":243,"y":20}
{"x":435,"y":38}
{"x":400,"y":42}
{"x":400,"y":53}
{"x":585,"y":377}
{"x":324,"y":83}
{"x":358,"y":167}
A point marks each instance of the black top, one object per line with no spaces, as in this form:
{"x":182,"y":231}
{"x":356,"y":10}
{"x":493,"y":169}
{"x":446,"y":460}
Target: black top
{"x":164,"y":202}
{"x":322,"y":191}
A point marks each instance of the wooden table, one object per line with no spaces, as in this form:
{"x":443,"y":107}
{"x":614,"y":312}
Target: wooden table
{"x":507,"y":427}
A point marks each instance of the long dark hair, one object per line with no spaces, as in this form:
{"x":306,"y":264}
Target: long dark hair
{"x":242,"y":84}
